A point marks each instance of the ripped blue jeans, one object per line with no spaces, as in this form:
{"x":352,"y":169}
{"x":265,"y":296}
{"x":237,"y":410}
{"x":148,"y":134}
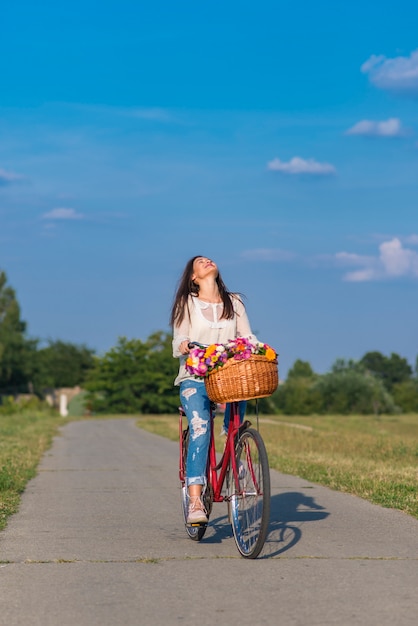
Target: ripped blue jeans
{"x":196,"y":405}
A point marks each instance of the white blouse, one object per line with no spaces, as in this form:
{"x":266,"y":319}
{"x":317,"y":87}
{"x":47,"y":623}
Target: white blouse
{"x":206,"y":326}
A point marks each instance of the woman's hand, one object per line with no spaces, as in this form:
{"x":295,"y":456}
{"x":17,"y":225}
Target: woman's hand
{"x":184,"y":347}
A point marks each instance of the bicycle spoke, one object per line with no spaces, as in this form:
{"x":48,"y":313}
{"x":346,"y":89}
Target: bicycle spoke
{"x":250,"y":506}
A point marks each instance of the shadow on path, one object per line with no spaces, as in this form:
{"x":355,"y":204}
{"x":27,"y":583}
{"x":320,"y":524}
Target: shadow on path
{"x":292,"y":506}
{"x":286,"y":510}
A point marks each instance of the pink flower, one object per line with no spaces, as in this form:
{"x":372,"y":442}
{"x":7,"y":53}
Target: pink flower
{"x":201,"y":361}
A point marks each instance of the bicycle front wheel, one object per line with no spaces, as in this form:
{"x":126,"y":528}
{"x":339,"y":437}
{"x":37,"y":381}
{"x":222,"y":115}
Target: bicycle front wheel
{"x":250,"y":505}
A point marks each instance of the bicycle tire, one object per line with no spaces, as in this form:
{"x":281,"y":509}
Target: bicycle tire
{"x":195,"y":533}
{"x":250,"y":506}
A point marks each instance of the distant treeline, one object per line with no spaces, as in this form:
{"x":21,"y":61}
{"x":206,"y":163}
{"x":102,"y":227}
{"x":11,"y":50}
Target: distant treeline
{"x":137,"y":376}
{"x":374,"y":384}
{"x":25,"y":366}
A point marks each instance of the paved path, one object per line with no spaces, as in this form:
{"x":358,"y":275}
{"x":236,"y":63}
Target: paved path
{"x":99,"y":540}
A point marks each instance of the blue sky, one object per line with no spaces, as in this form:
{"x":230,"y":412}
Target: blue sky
{"x":280,"y":139}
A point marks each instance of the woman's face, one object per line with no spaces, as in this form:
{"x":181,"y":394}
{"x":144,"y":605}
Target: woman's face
{"x":203,"y":267}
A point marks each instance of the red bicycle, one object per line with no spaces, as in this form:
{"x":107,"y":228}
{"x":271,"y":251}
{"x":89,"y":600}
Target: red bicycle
{"x":244,"y":471}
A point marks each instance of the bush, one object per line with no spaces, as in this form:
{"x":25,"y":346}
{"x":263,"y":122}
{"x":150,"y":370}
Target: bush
{"x":135,"y":377}
{"x":405,"y":395}
{"x":352,"y":391}
{"x":298,"y":396}
{"x":10,"y":405}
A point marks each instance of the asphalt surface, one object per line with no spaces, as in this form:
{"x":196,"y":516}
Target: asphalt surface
{"x":99,"y":540}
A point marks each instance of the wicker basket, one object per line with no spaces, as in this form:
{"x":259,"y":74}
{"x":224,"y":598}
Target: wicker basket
{"x":256,"y":377}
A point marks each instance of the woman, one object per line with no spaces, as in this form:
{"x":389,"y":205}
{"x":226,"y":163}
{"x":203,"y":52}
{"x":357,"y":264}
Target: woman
{"x":206,"y":312}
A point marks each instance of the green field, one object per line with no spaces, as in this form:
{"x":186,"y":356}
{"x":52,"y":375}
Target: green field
{"x":374,"y":458}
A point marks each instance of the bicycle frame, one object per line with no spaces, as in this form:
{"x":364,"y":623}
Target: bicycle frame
{"x":243,"y":466}
{"x":216,"y":471}
{"x":217,"y":479}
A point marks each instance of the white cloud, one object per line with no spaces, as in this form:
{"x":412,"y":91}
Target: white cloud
{"x":62,"y":214}
{"x":372,"y":62}
{"x":387,"y":128}
{"x":6,"y":178}
{"x":268,"y":254}
{"x":397,"y":260}
{"x":393,"y":261}
{"x":349,"y":258}
{"x":153,"y":114}
{"x":360,"y":276}
{"x":398,"y":74}
{"x":296,"y":165}
{"x":412,"y":239}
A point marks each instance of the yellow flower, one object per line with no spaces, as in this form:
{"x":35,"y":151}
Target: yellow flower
{"x":270,"y":354}
{"x":210,"y":350}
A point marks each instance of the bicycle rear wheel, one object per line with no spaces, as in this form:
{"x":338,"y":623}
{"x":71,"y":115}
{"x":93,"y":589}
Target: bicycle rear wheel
{"x":250,"y":506}
{"x":195,"y":533}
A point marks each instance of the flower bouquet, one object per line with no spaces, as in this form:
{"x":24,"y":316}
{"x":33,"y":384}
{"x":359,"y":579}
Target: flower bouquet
{"x":236,"y":370}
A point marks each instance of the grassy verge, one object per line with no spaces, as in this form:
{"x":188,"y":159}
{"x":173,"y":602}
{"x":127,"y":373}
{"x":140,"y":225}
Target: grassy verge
{"x":23,"y":440}
{"x":374,"y":458}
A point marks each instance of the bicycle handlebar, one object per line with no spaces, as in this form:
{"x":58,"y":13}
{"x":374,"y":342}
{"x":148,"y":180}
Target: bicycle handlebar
{"x":196,"y":344}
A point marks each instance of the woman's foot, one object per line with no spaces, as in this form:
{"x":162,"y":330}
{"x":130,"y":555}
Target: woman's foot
{"x":197,"y":513}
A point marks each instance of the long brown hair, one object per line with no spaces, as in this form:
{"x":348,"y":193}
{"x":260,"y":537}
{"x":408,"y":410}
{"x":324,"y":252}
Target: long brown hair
{"x":186,"y":287}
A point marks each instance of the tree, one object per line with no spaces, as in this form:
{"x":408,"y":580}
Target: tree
{"x":345,"y":365}
{"x":374,"y":362}
{"x":135,"y":377}
{"x":62,"y":364}
{"x":300,"y":369}
{"x":398,"y":370}
{"x":297,"y":395}
{"x":16,"y":350}
{"x":405,"y":395}
{"x":391,"y":370}
{"x":349,"y":390}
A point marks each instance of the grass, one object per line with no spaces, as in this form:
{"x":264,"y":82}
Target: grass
{"x":76,"y":406}
{"x":374,"y":458}
{"x":23,"y":440}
